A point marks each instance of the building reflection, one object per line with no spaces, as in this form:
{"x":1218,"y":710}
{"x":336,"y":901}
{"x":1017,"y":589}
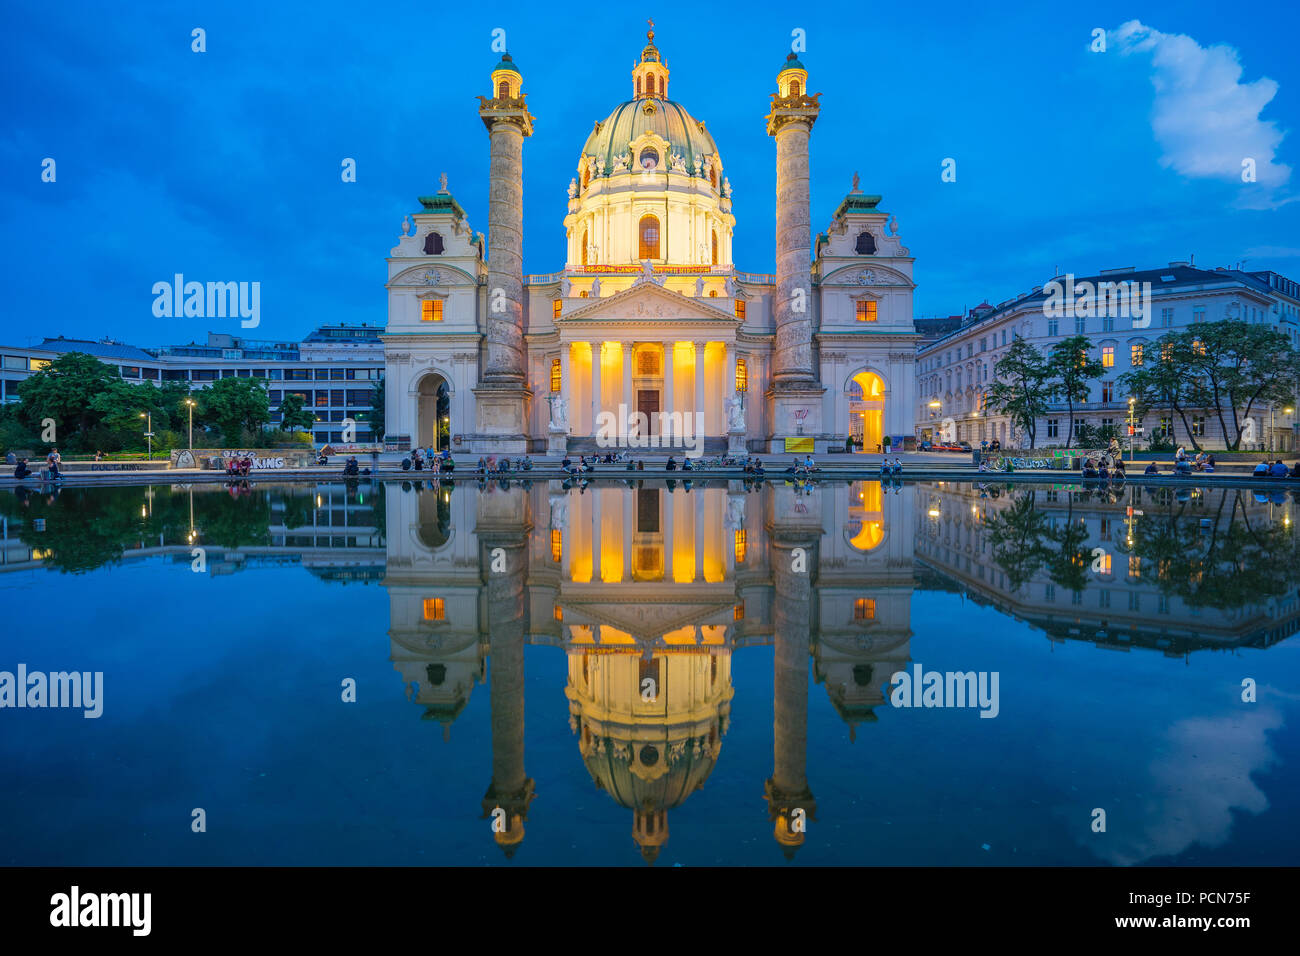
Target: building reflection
{"x":649,"y":589}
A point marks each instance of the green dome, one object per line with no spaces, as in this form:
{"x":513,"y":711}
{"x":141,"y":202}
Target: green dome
{"x":792,"y":63}
{"x":685,"y":134}
{"x":506,"y":64}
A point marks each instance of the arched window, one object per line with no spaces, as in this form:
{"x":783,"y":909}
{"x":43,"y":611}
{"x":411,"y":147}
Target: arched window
{"x":866,"y":244}
{"x":650,"y":84}
{"x":715,"y":248}
{"x":742,"y":376}
{"x":649,"y":236}
{"x":638,"y":86}
{"x":794,"y":87}
{"x":584,"y":247}
{"x":649,"y":158}
{"x":503,"y":90}
{"x":713,"y":176}
{"x":586,"y":178}
{"x":433,"y":244}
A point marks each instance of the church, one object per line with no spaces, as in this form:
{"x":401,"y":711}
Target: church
{"x":648,"y":336}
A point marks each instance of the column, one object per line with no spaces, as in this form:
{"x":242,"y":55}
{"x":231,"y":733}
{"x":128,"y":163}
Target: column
{"x":668,"y":377}
{"x":595,"y":535}
{"x":629,"y":529}
{"x":565,"y":348}
{"x":699,"y":535}
{"x":666,"y":525}
{"x":628,"y":397}
{"x":790,"y":123}
{"x":729,"y":386}
{"x":700,"y":348}
{"x":597,"y":350}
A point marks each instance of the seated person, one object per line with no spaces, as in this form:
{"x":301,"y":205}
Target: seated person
{"x":1295,"y":470}
{"x":22,"y":471}
{"x":321,"y":459}
{"x":526,"y":463}
{"x":1278,"y":470}
{"x":1151,"y":469}
{"x":1209,"y":462}
{"x":809,"y":464}
{"x":1261,"y":470}
{"x":898,"y":466}
{"x":406,"y":464}
{"x":1118,"y":471}
{"x":1103,"y":471}
{"x":350,"y":467}
{"x":1183,"y":467}
{"x":448,"y":463}
{"x":672,"y":464}
{"x":640,"y":465}
{"x":567,"y":463}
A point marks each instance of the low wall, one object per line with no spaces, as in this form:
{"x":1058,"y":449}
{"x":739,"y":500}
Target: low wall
{"x":264,"y":459}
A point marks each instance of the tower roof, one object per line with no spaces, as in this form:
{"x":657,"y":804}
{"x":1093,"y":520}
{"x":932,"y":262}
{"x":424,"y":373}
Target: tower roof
{"x":792,"y":63}
{"x":506,"y":64}
{"x":685,"y":134}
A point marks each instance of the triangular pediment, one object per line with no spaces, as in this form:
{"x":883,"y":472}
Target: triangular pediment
{"x":648,"y":302}
{"x":646,"y":622}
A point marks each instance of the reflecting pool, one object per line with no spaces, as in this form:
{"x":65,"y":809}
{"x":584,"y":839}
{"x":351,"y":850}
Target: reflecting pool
{"x":686,"y":674}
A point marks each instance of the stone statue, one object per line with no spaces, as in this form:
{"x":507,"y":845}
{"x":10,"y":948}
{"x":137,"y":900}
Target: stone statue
{"x":726,"y":188}
{"x":699,"y":166}
{"x":559,"y":513}
{"x":735,"y":415}
{"x":595,"y":288}
{"x":699,"y":285}
{"x":442,"y":183}
{"x":559,"y":413}
{"x":573,"y":188}
{"x":729,"y":286}
{"x":855,"y":183}
{"x":564,"y":286}
{"x":621,"y":164}
{"x":735,"y":512}
{"x":893,"y":225}
{"x":406,"y":225}
{"x":647,"y":271}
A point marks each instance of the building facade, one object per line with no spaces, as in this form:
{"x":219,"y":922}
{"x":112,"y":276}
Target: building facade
{"x":954,"y":371}
{"x":648,"y":325}
{"x":334,"y":369}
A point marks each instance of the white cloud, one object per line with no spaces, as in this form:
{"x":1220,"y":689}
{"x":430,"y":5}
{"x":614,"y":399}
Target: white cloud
{"x":1205,"y":119}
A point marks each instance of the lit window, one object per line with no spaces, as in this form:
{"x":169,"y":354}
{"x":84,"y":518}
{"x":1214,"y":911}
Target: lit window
{"x":557,"y":544}
{"x":867,"y":310}
{"x":431,"y":310}
{"x":556,"y":306}
{"x":864,"y":609}
{"x":649,"y":232}
{"x":584,"y":248}
{"x":1136,"y":354}
{"x":740,"y":308}
{"x":1198,"y":346}
{"x":715,"y":248}
{"x":435,"y":609}
{"x":1134,"y":566}
{"x":1108,"y":356}
{"x":742,"y":376}
{"x":558,"y":612}
{"x":740,"y":546}
{"x":738,"y":612}
{"x":503,"y":90}
{"x":794,"y":87}
{"x":1104,"y":564}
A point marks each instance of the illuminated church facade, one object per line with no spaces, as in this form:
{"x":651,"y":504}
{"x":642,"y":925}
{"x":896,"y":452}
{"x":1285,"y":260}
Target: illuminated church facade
{"x":648,"y":318}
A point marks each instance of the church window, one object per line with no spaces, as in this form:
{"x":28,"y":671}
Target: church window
{"x":867,"y":310}
{"x":435,"y":609}
{"x":556,"y":306}
{"x":740,"y":308}
{"x":652,"y":84}
{"x":742,"y":376}
{"x":647,"y":362}
{"x":557,"y":544}
{"x":649,"y":230}
{"x":794,"y":87}
{"x":558,"y":613}
{"x":738,"y":546}
{"x":584,"y":247}
{"x":433,"y":244}
{"x":866,"y":244}
{"x":713,"y":293}
{"x":436,"y":673}
{"x":586,"y":180}
{"x":638,"y":86}
{"x":555,"y":375}
{"x":864,"y":609}
{"x":649,"y":158}
{"x":503,"y":90}
{"x":431,"y":310}
{"x":713,"y":176}
{"x":715,"y":248}
{"x":738,"y":612}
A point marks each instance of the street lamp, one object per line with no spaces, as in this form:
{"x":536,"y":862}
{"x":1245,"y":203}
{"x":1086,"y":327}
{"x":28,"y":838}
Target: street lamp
{"x":1131,"y":400}
{"x":191,"y":403}
{"x":148,"y":430}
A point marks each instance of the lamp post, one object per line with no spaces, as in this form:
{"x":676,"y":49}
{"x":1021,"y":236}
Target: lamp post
{"x":1272,"y":425}
{"x":1130,"y":427}
{"x":190,"y":402}
{"x":148,"y":430}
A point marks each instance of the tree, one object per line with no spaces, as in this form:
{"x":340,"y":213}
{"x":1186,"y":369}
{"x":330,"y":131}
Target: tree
{"x":235,"y":405}
{"x":1070,"y":373}
{"x":1238,"y":366}
{"x":1021,"y":390}
{"x":377,"y":412}
{"x":1162,"y":381}
{"x":65,"y":391}
{"x":294,"y":414}
{"x":125,"y":411}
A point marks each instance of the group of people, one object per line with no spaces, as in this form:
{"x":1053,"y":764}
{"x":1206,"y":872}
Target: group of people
{"x":1184,"y":465}
{"x":805,"y":467}
{"x":1277,"y":469}
{"x":894,"y":467}
{"x":1097,"y":468}
{"x":238,"y":467}
{"x":435,"y":461}
{"x":491,"y":466}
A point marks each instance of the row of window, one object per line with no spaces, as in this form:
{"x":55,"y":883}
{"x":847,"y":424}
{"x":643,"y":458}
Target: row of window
{"x":647,"y":368}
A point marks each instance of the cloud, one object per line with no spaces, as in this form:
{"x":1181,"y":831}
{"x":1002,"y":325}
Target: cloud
{"x":1205,"y":119}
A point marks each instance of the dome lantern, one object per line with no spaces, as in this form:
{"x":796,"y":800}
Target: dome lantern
{"x":793,"y":78}
{"x":650,"y":75}
{"x":506,"y":79}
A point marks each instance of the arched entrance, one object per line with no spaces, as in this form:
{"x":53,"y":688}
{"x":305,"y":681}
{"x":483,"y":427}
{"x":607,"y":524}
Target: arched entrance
{"x":433,"y":412}
{"x":867,"y":411}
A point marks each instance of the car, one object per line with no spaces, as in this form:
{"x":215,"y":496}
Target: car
{"x":963,"y":446}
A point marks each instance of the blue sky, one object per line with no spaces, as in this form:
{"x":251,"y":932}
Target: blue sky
{"x":225,"y":165}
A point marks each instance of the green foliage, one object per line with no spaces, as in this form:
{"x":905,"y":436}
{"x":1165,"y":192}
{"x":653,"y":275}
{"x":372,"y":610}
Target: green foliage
{"x":294,"y":414}
{"x":377,"y":411}
{"x":1070,"y":371}
{"x":1021,"y":391}
{"x":239,"y":407}
{"x":66,"y":391}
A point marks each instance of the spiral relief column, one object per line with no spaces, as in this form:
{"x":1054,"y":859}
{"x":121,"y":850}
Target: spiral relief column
{"x":502,"y":396}
{"x":796,"y":390}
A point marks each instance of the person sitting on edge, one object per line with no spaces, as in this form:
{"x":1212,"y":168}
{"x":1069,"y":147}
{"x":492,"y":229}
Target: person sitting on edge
{"x":1102,"y":470}
{"x":640,"y":464}
{"x":1089,"y":469}
{"x":1295,"y":469}
{"x":1209,"y":462}
{"x":686,"y":465}
{"x":809,"y":463}
{"x":1151,"y":469}
{"x":1181,"y":454}
{"x":898,"y":466}
{"x":1118,"y":471}
{"x":1183,"y":467}
{"x":21,"y":470}
{"x":1278,"y":470}
{"x":672,"y":464}
{"x":1261,"y":470}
